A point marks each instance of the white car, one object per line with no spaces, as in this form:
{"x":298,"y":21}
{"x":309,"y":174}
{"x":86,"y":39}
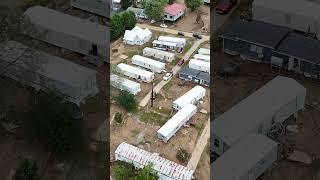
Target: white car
{"x":163,"y":25}
{"x":167,"y":76}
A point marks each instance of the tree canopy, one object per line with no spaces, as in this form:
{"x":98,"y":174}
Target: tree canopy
{"x":126,"y":3}
{"x":27,"y":170}
{"x":193,"y":4}
{"x":155,"y":9}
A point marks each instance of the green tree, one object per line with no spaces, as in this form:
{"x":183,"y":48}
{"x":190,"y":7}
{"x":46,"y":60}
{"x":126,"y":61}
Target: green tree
{"x":116,"y":26}
{"x":183,"y":155}
{"x":126,"y":100}
{"x":145,"y":173}
{"x":129,"y":20}
{"x":154,"y":9}
{"x":118,"y":117}
{"x":27,"y":170}
{"x":171,"y":1}
{"x":54,"y":124}
{"x":122,"y":172}
{"x":126,"y":3}
{"x":193,"y":4}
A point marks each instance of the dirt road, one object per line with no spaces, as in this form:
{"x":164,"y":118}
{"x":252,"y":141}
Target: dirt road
{"x":201,"y":144}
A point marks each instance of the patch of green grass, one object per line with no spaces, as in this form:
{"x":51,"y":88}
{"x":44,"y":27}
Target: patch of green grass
{"x":132,"y":53}
{"x":175,"y":61}
{"x":153,"y":118}
{"x":135,"y":132}
{"x":199,"y":127}
{"x":187,"y":46}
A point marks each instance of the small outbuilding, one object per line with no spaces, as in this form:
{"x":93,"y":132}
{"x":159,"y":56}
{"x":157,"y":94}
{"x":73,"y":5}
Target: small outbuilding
{"x":99,"y":7}
{"x":170,"y":128}
{"x":191,"y":97}
{"x":136,"y":73}
{"x":158,"y":54}
{"x":174,"y":11}
{"x":181,"y":42}
{"x":202,"y":57}
{"x":137,"y":36}
{"x":153,"y":65}
{"x":199,"y":65}
{"x":246,"y":160}
{"x":125,"y":84}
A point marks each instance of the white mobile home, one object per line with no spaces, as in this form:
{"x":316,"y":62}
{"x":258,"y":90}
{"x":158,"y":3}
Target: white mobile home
{"x":164,"y":45}
{"x":69,"y":32}
{"x":164,"y":168}
{"x":181,"y":42}
{"x":43,"y":71}
{"x":154,"y":66}
{"x":125,"y":84}
{"x":191,"y":97}
{"x":136,"y":73}
{"x":199,"y":65}
{"x":202,"y":57}
{"x":273,"y":103}
{"x":137,"y":36}
{"x":204,"y":51}
{"x":158,"y":54}
{"x":176,"y":122}
{"x":100,"y":7}
{"x":246,"y":160}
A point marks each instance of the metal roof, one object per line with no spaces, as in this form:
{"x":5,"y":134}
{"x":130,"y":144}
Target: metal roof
{"x":189,"y":71}
{"x":127,"y":84}
{"x":52,"y":67}
{"x":189,"y":96}
{"x":255,"y":32}
{"x":202,"y":57}
{"x":161,"y":165}
{"x":172,"y":39}
{"x":148,"y":61}
{"x":248,"y":114}
{"x":204,"y":51}
{"x":157,"y":51}
{"x":166,"y":43}
{"x":242,"y":157}
{"x":67,"y":24}
{"x":135,"y":70}
{"x":199,"y":63}
{"x":174,"y":9}
{"x":301,"y":47}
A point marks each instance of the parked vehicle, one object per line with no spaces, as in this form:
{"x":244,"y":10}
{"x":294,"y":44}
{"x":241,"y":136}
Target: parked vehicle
{"x":181,"y":62}
{"x":197,"y":35}
{"x":180,"y":33}
{"x":224,"y":6}
{"x":167,"y":76}
{"x":163,"y":25}
{"x":180,"y":50}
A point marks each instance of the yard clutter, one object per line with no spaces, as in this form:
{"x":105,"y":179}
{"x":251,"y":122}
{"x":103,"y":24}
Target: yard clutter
{"x":158,"y":54}
{"x":165,"y":169}
{"x":136,"y":73}
{"x":191,"y":97}
{"x":176,"y":122}
{"x":153,"y":65}
{"x":199,"y":65}
{"x":125,"y":84}
{"x":137,"y":36}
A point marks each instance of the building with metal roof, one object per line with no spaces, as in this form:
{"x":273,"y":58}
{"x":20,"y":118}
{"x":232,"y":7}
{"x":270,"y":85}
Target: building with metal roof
{"x":181,"y":42}
{"x":174,"y":11}
{"x":125,"y":84}
{"x":136,"y":73}
{"x":158,"y":54}
{"x":196,"y":76}
{"x":152,"y":65}
{"x":204,"y":51}
{"x":191,"y":97}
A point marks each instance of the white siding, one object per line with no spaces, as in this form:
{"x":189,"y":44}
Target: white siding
{"x":191,"y":97}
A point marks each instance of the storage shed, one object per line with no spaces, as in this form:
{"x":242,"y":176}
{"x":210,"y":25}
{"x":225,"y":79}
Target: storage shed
{"x":125,"y":84}
{"x":158,"y":54}
{"x":273,"y":103}
{"x":246,"y":160}
{"x":301,"y":15}
{"x":164,"y":168}
{"x":170,"y":128}
{"x":204,"y":51}
{"x":199,"y":65}
{"x":164,"y":45}
{"x":202,"y":57}
{"x":43,"y":71}
{"x":153,"y":65}
{"x":137,"y":36}
{"x":191,"y":97}
{"x":99,"y":7}
{"x":299,"y":54}
{"x":181,"y":42}
{"x":252,"y":40}
{"x":136,"y":73}
{"x":69,"y":32}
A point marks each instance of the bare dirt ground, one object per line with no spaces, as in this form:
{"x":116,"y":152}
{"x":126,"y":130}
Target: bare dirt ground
{"x":203,"y":170}
{"x":252,"y":76}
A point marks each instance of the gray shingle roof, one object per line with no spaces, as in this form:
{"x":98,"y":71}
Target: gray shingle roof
{"x":189,"y":71}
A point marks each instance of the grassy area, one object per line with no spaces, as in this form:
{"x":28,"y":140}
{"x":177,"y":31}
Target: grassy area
{"x":199,"y":127}
{"x":175,"y":61}
{"x":153,"y":118}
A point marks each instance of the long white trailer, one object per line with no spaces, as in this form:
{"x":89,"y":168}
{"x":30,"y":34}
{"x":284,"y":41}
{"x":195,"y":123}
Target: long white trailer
{"x":153,"y":65}
{"x":125,"y":84}
{"x":158,"y":54}
{"x":202,"y":57}
{"x":176,"y":122}
{"x":199,"y":65}
{"x":204,"y":51}
{"x":136,"y":73}
{"x":181,"y":42}
{"x":191,"y":97}
{"x":165,"y":169}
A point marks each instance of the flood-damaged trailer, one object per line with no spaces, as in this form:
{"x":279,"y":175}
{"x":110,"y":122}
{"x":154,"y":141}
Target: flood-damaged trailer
{"x":158,"y":54}
{"x":202,"y":57}
{"x":170,"y":128}
{"x":204,"y":51}
{"x":191,"y":97}
{"x":136,"y":73}
{"x":125,"y":84}
{"x":153,"y":65}
{"x":199,"y":65}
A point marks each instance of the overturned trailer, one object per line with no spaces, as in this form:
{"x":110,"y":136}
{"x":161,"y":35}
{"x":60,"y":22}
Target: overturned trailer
{"x":40,"y":70}
{"x":202,"y":57}
{"x":164,"y":168}
{"x":153,"y":65}
{"x":199,"y":65}
{"x":158,"y":54}
{"x":136,"y":73}
{"x":204,"y":51}
{"x":69,"y":32}
{"x":125,"y":84}
{"x":191,"y":97}
{"x":273,"y":103}
{"x":176,"y":122}
{"x":246,"y":160}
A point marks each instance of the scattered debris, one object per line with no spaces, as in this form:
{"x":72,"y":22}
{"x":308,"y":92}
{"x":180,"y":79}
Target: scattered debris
{"x":124,"y":57}
{"x":203,"y":111}
{"x":299,"y":156}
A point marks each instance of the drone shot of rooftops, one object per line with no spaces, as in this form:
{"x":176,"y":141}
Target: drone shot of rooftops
{"x":53,"y":91}
{"x":266,"y":100}
{"x":159,"y":90}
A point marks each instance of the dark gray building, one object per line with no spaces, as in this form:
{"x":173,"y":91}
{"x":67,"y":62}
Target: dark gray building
{"x":195,"y":76}
{"x":253,"y":40}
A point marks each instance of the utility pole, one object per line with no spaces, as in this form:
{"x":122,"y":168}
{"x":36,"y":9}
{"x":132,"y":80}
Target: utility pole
{"x":152,"y":98}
